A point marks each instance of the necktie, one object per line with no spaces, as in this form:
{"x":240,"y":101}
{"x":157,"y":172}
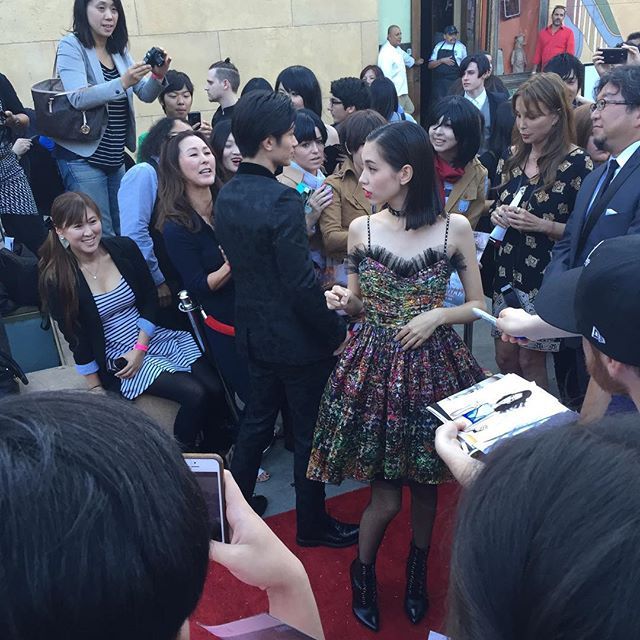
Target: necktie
{"x":611,"y":169}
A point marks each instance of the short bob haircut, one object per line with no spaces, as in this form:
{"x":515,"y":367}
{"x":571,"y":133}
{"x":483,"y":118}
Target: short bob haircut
{"x":353,"y":92}
{"x":258,"y":115}
{"x":256,"y":84}
{"x":104,"y":529}
{"x":176,"y":81}
{"x":467,"y":124}
{"x":305,"y":126}
{"x":357,"y":126}
{"x":567,"y":67}
{"x":384,"y":97}
{"x":377,"y":71}
{"x":402,"y":143}
{"x":303,"y":82}
{"x":158,"y":134}
{"x":547,"y":543}
{"x":116,"y":43}
{"x":481,"y":60}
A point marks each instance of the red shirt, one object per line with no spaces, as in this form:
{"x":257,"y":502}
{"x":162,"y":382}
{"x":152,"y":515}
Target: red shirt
{"x":551,"y":44}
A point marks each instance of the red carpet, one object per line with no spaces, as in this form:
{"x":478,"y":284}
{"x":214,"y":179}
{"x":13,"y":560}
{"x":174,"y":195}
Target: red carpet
{"x":225,"y":598}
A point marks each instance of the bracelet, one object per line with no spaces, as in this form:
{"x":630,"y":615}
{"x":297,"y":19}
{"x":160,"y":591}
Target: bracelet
{"x":140,"y":347}
{"x":155,"y":77}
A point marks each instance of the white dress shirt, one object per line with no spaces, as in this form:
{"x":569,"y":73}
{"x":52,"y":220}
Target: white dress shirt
{"x":394,"y":62}
{"x":479,"y":101}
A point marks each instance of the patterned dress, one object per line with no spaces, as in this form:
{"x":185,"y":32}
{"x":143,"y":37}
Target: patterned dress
{"x":373,"y":421}
{"x":168,"y":350}
{"x":523,"y":256}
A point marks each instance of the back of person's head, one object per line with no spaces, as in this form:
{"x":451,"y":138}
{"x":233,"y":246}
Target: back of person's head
{"x":406,"y":143}
{"x":158,"y":134}
{"x":467,"y":124}
{"x":226,"y":70}
{"x":545,"y":93}
{"x":301,"y":81}
{"x":118,"y":40}
{"x":57,"y":266}
{"x":567,"y":67}
{"x":176,"y":81}
{"x":305,"y":124}
{"x":481,"y":60}
{"x":258,"y":115}
{"x":352,"y":92}
{"x":104,"y":530}
{"x":547,"y":543}
{"x":633,"y":38}
{"x":357,"y":126}
{"x":625,"y":78}
{"x":384,"y":97}
{"x":256,"y":84}
{"x":173,"y":201}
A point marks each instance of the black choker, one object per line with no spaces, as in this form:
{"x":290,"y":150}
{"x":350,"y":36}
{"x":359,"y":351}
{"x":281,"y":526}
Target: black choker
{"x":395,"y":212}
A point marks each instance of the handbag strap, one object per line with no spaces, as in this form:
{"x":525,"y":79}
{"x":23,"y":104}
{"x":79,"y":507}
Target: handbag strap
{"x":85,"y":58}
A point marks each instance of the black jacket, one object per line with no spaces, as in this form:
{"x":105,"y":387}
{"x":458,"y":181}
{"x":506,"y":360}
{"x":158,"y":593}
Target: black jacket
{"x":281,"y":314}
{"x":87,"y":339}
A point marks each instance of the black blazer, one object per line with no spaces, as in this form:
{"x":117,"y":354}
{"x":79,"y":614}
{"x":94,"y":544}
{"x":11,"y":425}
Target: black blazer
{"x":86,"y":341}
{"x":617,"y":214}
{"x":281,"y":314}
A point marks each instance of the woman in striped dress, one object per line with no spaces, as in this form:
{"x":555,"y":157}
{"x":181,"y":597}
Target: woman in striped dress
{"x":101,"y":293}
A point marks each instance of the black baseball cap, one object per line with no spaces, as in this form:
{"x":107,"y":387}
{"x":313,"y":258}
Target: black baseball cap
{"x":450,"y":30}
{"x":600,"y":300}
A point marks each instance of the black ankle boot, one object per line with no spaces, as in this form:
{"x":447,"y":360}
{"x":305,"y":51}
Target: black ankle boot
{"x":365,"y":595}
{"x":416,"y":602}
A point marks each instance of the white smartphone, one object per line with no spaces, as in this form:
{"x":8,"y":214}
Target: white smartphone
{"x":483,"y":315}
{"x":209,"y":472}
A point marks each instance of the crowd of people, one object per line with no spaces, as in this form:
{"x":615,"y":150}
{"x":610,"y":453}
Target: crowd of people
{"x":322,"y":255}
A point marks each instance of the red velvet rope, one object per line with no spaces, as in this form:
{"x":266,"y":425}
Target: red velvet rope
{"x":218,"y":326}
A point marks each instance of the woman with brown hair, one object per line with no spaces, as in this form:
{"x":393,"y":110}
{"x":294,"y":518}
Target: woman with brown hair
{"x":101,"y":293}
{"x":187,"y":194}
{"x":540,"y":181}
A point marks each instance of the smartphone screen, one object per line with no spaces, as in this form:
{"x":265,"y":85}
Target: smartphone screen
{"x":209,"y":472}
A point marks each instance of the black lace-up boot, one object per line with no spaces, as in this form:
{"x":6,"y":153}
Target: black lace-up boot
{"x":416,"y":602}
{"x":365,"y":594}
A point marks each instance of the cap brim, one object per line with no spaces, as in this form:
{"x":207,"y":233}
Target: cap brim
{"x":555,"y":302}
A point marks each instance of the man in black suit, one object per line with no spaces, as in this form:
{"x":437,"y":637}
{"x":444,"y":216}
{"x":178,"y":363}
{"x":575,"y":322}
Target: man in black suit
{"x":283,"y":326}
{"x":608,"y":203}
{"x":474,"y":72}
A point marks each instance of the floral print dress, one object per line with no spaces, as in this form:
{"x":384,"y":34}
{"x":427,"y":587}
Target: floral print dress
{"x":523,"y":256}
{"x":373,"y":420}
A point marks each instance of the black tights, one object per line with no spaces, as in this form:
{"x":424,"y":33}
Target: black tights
{"x":202,"y":403}
{"x":384,"y":506}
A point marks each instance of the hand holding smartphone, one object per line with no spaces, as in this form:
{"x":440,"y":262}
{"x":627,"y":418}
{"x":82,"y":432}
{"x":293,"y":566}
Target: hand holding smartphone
{"x":194,"y":118}
{"x":209,"y":472}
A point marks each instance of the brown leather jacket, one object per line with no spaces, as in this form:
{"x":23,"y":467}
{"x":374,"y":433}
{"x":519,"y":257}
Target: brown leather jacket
{"x":348,"y":204}
{"x":469,"y":193}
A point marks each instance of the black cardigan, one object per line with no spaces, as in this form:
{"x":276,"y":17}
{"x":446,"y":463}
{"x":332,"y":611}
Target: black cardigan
{"x":87,"y":339}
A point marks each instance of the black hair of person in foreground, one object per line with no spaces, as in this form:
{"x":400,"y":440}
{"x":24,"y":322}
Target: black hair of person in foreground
{"x":105,"y":532}
{"x":547,"y":543}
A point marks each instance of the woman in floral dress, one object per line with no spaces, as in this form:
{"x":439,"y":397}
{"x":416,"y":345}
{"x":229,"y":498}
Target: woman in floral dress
{"x":373,"y":422}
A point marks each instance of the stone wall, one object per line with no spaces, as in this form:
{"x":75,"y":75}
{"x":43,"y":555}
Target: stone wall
{"x":333,"y":37}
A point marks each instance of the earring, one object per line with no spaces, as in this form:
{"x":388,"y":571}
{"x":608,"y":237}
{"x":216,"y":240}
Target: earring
{"x":61,"y":237}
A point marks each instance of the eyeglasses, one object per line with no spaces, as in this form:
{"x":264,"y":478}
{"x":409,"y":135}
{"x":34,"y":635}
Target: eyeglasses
{"x":599,"y":105}
{"x":334,"y":101}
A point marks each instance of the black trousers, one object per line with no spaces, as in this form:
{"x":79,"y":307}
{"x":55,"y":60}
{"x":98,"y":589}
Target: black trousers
{"x":28,"y":229}
{"x":301,"y":386}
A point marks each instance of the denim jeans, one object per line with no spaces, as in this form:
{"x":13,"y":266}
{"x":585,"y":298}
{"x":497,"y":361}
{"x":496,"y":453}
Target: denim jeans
{"x":101,"y":187}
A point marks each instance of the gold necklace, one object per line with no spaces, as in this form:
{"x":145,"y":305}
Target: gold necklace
{"x":93,"y":275}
